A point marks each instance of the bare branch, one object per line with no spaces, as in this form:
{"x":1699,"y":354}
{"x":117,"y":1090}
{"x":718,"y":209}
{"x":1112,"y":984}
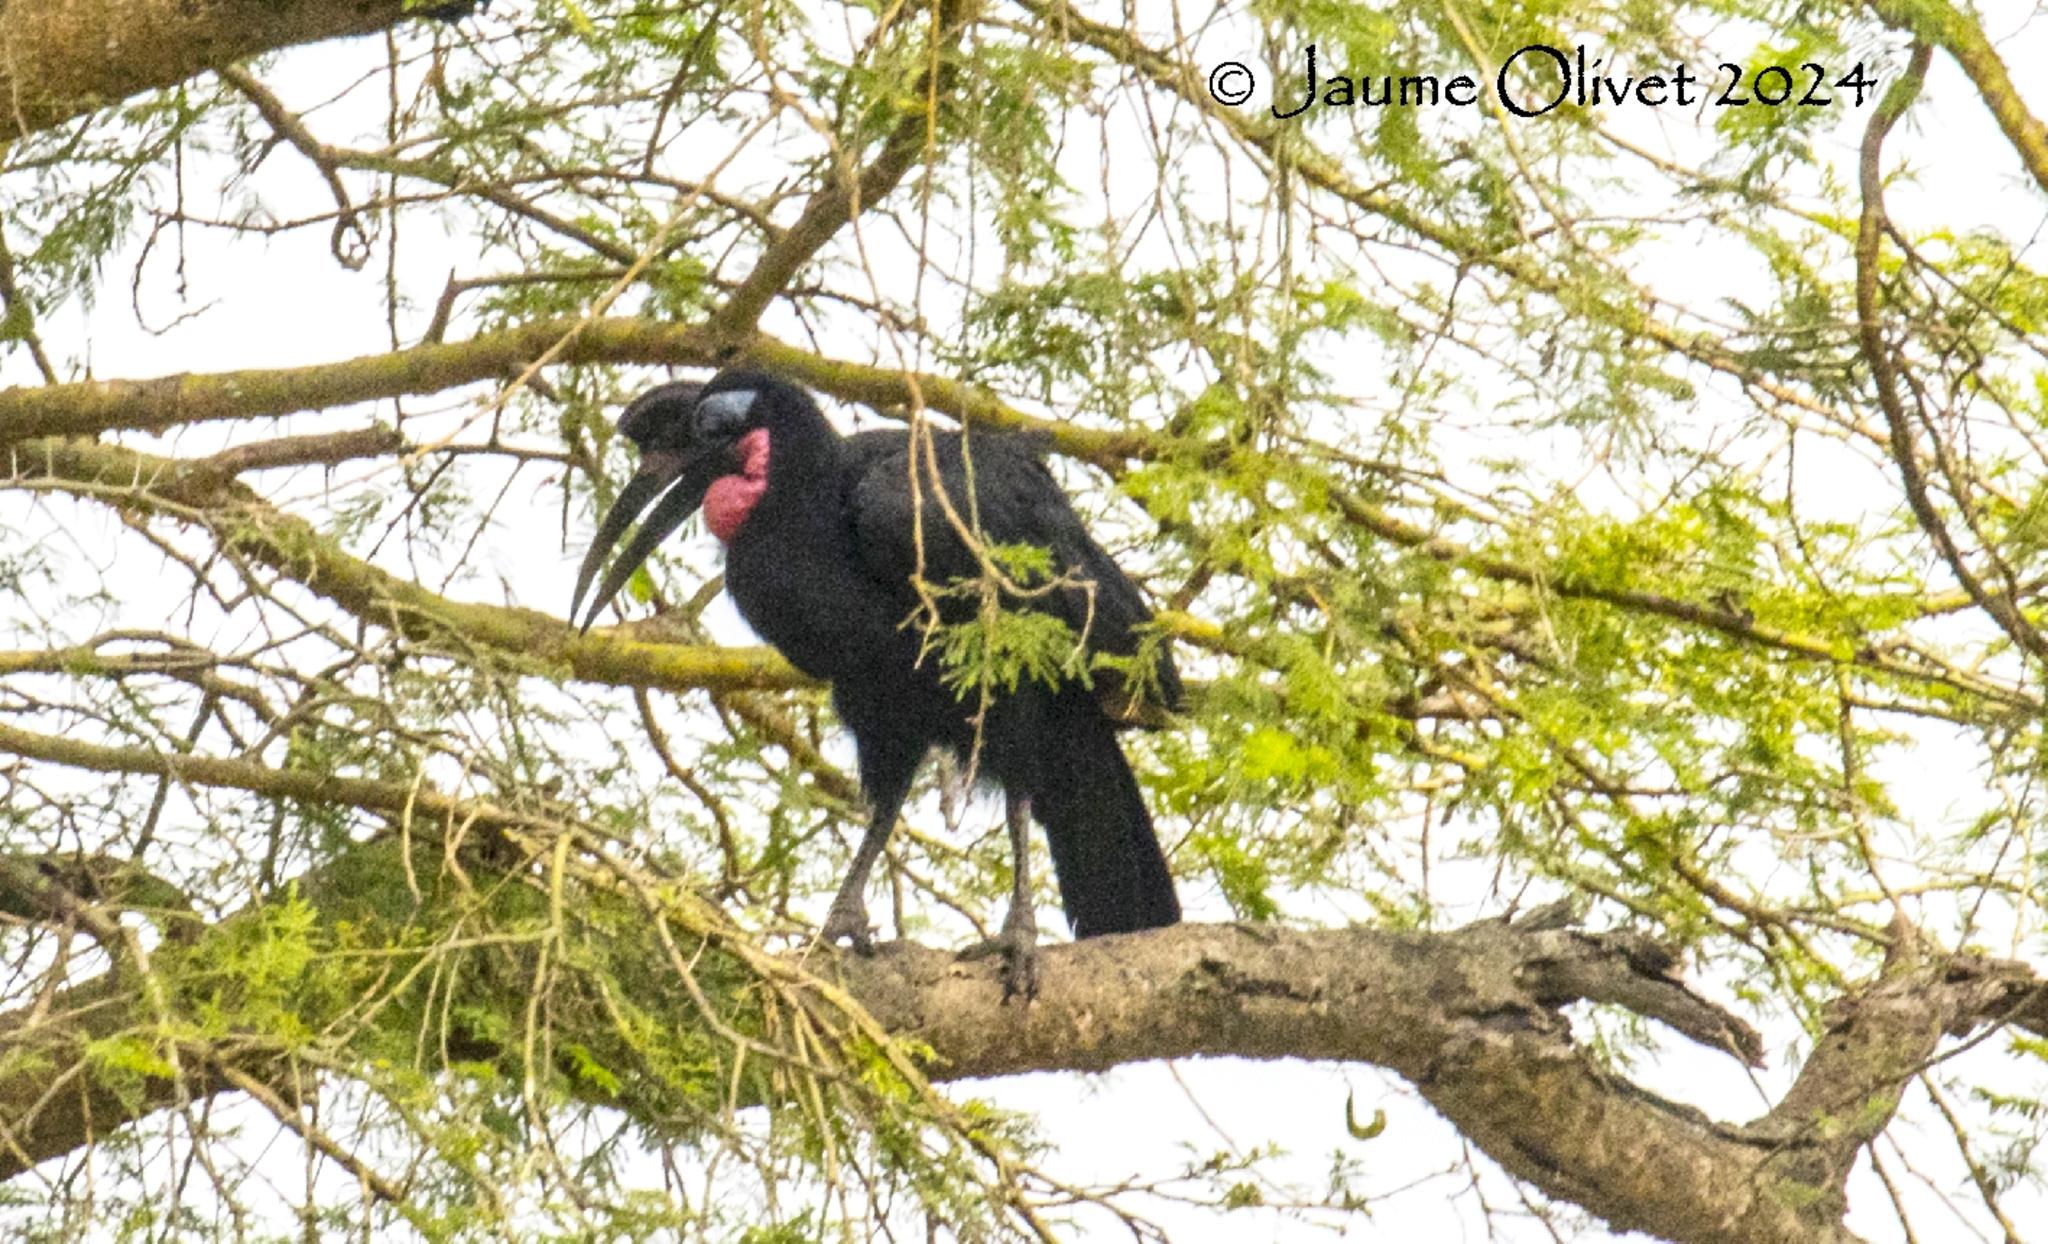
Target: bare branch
{"x":1955,"y":32}
{"x":291,"y":546}
{"x":845,"y":197}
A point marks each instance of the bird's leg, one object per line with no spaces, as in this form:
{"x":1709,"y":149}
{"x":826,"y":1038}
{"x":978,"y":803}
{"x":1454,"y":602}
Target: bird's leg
{"x":953,"y":791}
{"x":888,"y":762}
{"x":1019,"y":939}
{"x":848,"y":918}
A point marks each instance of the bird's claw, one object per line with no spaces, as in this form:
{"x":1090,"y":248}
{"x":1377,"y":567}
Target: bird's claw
{"x":1018,"y":944}
{"x":848,"y":923}
{"x":1020,"y":978}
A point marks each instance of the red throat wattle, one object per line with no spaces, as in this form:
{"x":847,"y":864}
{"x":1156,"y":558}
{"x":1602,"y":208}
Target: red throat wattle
{"x":732,"y":497}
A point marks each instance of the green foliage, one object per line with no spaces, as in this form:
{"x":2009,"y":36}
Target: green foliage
{"x":1007,"y":648}
{"x":252,"y":977}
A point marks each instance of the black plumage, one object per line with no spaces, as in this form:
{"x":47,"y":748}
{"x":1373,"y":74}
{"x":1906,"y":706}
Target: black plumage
{"x":824,"y":535}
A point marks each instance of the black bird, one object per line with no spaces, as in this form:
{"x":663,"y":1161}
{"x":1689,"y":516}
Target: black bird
{"x":823,"y":535}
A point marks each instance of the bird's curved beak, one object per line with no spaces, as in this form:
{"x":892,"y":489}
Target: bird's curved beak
{"x":685,"y":477}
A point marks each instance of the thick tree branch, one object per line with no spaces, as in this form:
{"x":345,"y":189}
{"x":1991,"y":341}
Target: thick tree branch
{"x":86,"y":408}
{"x":60,"y":59}
{"x":1471,"y":1017}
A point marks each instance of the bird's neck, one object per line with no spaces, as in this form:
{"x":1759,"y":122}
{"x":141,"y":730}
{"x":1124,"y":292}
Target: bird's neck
{"x":788,"y":480}
{"x":731,"y":498}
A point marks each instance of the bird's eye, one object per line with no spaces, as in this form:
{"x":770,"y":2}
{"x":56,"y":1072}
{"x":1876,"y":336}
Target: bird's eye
{"x":721,"y":413}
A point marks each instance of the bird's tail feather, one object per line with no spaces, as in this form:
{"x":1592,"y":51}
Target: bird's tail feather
{"x":1112,"y":873}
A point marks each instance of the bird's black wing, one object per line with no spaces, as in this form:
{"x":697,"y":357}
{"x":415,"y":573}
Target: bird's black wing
{"x":1017,"y":501}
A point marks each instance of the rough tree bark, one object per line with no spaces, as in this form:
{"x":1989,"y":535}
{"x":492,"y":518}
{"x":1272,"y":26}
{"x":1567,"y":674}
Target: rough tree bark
{"x":1472,"y":1017}
{"x":61,"y":59}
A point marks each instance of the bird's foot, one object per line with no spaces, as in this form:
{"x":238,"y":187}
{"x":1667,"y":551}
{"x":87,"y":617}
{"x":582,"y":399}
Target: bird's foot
{"x":1020,"y":978}
{"x":1018,"y":944}
{"x":848,"y":922}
